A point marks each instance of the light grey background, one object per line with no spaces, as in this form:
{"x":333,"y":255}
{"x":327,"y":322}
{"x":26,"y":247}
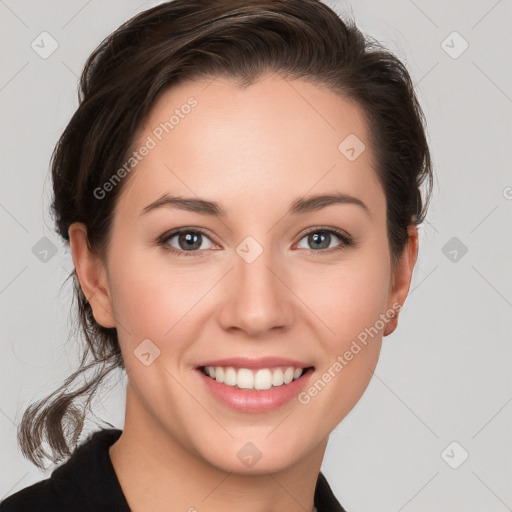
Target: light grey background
{"x":443,"y":376}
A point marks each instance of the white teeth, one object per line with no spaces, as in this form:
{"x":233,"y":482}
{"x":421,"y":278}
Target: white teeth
{"x":264,"y":378}
{"x":245,"y":379}
{"x":230,"y":377}
{"x":288,"y":375}
{"x":277,"y":377}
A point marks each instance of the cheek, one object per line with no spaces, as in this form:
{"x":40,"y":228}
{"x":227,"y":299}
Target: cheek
{"x":347,"y":298}
{"x":151,"y":298}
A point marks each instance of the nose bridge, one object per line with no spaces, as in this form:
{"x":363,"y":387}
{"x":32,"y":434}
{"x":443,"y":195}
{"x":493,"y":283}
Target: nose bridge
{"x":259,"y":300}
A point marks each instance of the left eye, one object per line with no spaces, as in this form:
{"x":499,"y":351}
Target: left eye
{"x":322,"y":238}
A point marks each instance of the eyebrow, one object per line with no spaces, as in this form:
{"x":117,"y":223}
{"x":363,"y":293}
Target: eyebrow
{"x":301,"y":205}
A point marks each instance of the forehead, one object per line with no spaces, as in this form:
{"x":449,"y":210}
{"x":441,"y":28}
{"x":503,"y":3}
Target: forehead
{"x":269,"y":142}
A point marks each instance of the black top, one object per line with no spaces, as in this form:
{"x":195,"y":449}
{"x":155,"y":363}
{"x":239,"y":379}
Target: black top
{"x":87,"y":482}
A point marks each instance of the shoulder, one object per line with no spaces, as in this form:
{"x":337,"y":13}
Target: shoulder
{"x":325,"y":501}
{"x":41,"y":496}
{"x":77,"y":484}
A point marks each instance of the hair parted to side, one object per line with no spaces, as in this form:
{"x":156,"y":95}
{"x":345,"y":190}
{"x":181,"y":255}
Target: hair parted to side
{"x":192,"y":39}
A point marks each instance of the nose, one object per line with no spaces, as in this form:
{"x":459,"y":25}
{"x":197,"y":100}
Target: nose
{"x":256,"y":297}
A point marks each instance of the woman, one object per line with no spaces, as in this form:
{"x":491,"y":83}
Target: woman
{"x":240,"y":187}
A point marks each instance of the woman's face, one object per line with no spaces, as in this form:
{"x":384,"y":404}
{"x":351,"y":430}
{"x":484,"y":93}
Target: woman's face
{"x":258,"y":271}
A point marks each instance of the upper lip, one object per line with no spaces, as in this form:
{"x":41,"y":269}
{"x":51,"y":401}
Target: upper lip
{"x":262,"y":362}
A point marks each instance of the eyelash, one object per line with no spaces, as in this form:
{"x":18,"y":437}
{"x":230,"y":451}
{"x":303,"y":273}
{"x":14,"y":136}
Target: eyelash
{"x":347,"y":241}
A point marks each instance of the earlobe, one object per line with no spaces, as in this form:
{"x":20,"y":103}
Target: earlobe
{"x":402,"y":275}
{"x":92,"y":275}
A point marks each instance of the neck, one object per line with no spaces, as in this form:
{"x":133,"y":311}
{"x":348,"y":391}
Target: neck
{"x":155,"y":470}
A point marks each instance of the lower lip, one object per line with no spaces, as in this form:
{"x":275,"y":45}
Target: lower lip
{"x":256,"y":401}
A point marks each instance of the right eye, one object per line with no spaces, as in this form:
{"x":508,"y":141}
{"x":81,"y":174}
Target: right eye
{"x":188,"y":242}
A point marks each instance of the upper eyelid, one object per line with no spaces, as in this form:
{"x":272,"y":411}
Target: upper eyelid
{"x":336,"y":231}
{"x":174,"y":232}
{"x":167,"y":236}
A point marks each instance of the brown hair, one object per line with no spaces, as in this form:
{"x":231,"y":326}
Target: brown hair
{"x":192,"y":39}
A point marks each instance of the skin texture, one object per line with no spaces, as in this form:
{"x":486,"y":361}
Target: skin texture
{"x":254,"y":151}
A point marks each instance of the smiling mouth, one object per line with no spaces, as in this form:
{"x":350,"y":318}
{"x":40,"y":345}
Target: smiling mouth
{"x":255,"y":379}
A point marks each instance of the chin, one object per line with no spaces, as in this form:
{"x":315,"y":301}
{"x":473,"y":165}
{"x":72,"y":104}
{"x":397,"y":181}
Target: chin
{"x":256,"y":455}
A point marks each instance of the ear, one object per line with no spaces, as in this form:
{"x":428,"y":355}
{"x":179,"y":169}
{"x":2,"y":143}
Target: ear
{"x":92,"y":275}
{"x":401,"y":277}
